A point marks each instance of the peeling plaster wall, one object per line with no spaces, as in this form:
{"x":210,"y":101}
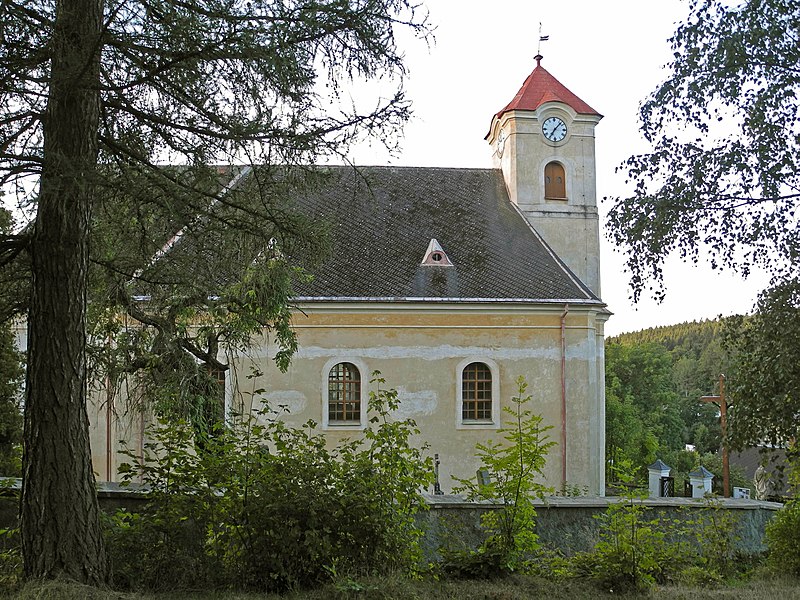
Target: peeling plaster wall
{"x":418,"y":352}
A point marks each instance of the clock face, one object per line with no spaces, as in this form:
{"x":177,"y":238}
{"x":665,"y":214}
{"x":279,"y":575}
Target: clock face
{"x":501,"y":142}
{"x":554,"y":129}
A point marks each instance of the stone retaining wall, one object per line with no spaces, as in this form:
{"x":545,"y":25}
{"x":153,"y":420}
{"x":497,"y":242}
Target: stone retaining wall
{"x":565,"y":524}
{"x":569,"y":524}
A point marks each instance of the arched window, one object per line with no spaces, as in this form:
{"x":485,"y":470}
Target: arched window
{"x":555,"y":187}
{"x":476,"y":392}
{"x":344,"y":394}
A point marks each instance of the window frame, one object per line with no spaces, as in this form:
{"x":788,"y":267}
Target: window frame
{"x":494,"y":421}
{"x":361,"y":422}
{"x":562,"y":187}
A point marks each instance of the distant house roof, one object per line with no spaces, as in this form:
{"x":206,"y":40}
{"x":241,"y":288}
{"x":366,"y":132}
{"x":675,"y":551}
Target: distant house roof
{"x":541,"y":87}
{"x":773,"y":459}
{"x":382,"y":221}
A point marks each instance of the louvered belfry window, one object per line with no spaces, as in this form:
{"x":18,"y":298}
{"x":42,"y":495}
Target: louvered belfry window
{"x":344,"y":393}
{"x":476,"y":392}
{"x":555,"y":187}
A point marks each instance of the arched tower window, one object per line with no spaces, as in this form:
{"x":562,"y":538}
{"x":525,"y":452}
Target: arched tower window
{"x":555,"y":187}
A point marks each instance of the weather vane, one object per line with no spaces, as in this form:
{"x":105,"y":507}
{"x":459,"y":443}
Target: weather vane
{"x":542,"y":38}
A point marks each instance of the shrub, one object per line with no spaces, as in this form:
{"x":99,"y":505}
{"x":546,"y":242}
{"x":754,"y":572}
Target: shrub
{"x":268,"y":507}
{"x":487,"y":562}
{"x":697,"y":576}
{"x":11,"y":374}
{"x":714,"y":531}
{"x":634,"y":551}
{"x":513,"y":466}
{"x":162,"y":546}
{"x":782,"y":532}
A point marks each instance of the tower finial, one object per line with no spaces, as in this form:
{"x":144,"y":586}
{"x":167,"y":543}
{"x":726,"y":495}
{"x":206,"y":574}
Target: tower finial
{"x":542,"y":38}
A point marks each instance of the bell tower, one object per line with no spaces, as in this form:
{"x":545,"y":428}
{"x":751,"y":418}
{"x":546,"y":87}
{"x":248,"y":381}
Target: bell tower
{"x":543,"y":141}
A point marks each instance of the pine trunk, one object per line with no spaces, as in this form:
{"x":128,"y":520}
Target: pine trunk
{"x":61,"y":534}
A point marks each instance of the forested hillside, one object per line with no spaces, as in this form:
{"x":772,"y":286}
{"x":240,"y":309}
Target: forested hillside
{"x":685,"y":337}
{"x":654,"y":381}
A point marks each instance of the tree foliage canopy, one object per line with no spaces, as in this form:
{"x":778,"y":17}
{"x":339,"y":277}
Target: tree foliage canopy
{"x":654,"y":380}
{"x":723,"y":176}
{"x":642,"y":408}
{"x":199,"y":81}
{"x":114,"y":118}
{"x":199,"y":84}
{"x":765,"y":384}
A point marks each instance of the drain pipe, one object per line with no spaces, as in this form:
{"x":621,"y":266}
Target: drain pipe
{"x":564,"y":396}
{"x":109,"y":420}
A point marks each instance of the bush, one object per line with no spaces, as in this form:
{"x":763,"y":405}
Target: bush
{"x":782,"y":532}
{"x":490,"y":561}
{"x":268,"y":507}
{"x":513,"y":466}
{"x":714,"y":531}
{"x":634,"y":551}
{"x":11,"y":374}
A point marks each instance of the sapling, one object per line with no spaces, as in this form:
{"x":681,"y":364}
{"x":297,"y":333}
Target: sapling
{"x":516,"y":467}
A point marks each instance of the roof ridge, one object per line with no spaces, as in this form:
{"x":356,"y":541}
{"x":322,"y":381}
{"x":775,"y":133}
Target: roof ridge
{"x":390,"y":167}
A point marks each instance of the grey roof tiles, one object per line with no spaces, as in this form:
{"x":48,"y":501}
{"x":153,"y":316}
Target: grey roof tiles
{"x":382,"y":220}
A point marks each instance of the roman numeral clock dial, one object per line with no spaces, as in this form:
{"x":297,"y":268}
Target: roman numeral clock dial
{"x":554,"y":129}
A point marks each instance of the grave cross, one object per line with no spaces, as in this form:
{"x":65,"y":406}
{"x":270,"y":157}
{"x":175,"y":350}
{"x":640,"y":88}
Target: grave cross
{"x":723,"y":405}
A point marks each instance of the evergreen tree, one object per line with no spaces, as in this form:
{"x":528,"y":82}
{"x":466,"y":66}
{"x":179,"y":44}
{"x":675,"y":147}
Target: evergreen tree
{"x":684,"y":362}
{"x":642,"y":408}
{"x":95,"y":98}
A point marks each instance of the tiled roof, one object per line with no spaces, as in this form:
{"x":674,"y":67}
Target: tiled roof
{"x":541,"y":87}
{"x":382,"y":221}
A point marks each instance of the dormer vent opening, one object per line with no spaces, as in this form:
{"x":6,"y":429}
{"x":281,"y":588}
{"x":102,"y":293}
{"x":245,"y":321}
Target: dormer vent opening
{"x":435,"y":256}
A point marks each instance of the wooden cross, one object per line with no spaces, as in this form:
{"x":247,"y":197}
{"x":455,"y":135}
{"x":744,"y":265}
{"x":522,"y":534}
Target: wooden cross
{"x":722,"y":403}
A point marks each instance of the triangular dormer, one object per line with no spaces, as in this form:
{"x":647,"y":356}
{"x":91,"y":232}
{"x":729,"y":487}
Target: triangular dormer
{"x":435,"y":256}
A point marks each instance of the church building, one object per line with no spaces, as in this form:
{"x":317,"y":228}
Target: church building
{"x":452,"y":283}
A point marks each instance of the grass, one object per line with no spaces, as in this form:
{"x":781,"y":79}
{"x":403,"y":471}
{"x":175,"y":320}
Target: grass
{"x":510,"y":588}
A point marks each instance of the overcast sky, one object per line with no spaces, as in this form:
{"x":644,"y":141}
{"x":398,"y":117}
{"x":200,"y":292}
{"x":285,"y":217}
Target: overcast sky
{"x":611,"y":54}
